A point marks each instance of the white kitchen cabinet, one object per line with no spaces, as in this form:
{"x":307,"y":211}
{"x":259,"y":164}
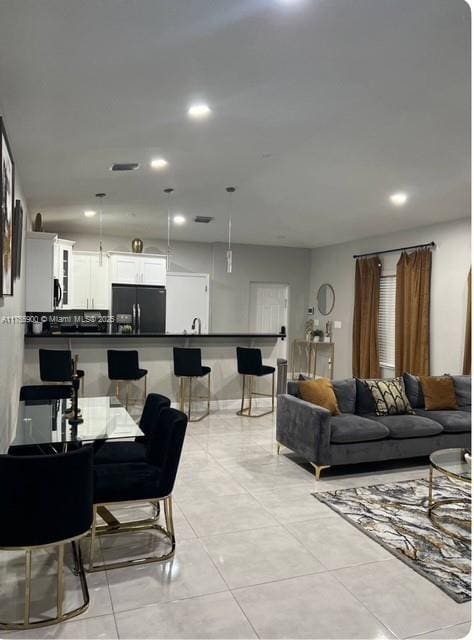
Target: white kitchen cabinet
{"x":63,"y":270}
{"x":153,"y":270}
{"x":90,"y":281}
{"x":130,"y":268}
{"x":40,"y":271}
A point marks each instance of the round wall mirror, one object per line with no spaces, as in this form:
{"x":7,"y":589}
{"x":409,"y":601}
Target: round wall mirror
{"x":326,"y":299}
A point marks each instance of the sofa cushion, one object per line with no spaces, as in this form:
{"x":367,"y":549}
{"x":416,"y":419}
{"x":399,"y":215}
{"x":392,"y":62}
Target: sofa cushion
{"x":351,"y":428}
{"x":389,"y":397}
{"x":321,"y":393}
{"x":414,"y":391}
{"x":439,"y":393}
{"x":409,"y":426}
{"x":451,"y":421}
{"x":462,"y":389}
{"x":364,"y":399}
{"x":345,"y":391}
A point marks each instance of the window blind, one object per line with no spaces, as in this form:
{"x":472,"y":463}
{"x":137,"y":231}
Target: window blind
{"x":386,"y":326}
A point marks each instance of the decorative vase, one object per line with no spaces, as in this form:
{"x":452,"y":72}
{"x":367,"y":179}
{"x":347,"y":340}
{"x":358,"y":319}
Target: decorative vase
{"x":327,"y":338}
{"x":137,"y":245}
{"x":38,"y":223}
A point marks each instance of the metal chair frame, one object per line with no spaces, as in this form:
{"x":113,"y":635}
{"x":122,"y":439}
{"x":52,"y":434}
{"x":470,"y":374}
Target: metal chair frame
{"x":247,"y":411}
{"x":182,"y":383}
{"x":113,"y":525}
{"x":61,"y":615}
{"x":127,"y":390}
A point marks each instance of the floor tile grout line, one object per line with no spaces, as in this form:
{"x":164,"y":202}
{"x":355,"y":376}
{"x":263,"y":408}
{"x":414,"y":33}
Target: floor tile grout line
{"x":451,"y":626}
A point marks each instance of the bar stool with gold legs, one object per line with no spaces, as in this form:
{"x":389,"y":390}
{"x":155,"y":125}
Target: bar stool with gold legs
{"x":188,"y":365}
{"x":58,"y":365}
{"x":124,"y":367}
{"x":249,"y":364}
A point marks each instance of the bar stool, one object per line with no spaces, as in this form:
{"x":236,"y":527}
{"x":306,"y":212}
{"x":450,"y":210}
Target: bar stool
{"x":58,"y":366}
{"x":187,"y":364}
{"x":249,"y":364}
{"x":123,"y":367}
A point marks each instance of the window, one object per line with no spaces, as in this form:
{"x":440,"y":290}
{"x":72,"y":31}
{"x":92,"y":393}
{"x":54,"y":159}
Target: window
{"x":387,"y":321}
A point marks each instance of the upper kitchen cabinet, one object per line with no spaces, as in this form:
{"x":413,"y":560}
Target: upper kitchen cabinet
{"x":62,"y":270}
{"x":91,"y":288}
{"x":131,"y":268}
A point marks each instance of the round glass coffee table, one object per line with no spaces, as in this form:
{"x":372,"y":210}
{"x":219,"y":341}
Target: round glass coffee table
{"x":453,"y":464}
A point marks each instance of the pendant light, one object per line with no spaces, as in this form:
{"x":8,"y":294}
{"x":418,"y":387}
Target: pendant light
{"x":101,"y":196}
{"x":168,"y":192}
{"x":230,"y":191}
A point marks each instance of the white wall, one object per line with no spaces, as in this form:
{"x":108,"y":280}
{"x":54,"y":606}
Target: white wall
{"x":451,"y":260}
{"x":229,"y":293}
{"x":11,"y":340}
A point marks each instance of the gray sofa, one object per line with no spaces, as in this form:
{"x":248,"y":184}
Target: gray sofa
{"x":358,"y":435}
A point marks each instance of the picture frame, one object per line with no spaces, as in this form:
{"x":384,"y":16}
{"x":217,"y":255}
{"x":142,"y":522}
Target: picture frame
{"x":7,"y":199}
{"x":17,"y":238}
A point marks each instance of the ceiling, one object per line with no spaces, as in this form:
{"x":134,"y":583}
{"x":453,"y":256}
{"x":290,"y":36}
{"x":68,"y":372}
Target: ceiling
{"x":321,"y":109}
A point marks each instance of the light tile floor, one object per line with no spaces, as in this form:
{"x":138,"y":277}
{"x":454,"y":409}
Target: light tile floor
{"x":257,"y":556}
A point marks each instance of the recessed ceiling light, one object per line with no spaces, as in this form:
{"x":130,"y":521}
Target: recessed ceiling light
{"x":179,"y":219}
{"x":399,"y":198}
{"x":199,"y":110}
{"x":89,"y":213}
{"x":158,"y":163}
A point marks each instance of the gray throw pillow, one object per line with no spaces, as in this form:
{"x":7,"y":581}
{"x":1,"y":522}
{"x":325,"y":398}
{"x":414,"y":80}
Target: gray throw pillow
{"x":345,"y":391}
{"x":414,"y":391}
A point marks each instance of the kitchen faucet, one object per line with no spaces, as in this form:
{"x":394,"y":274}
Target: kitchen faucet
{"x":193,"y":326}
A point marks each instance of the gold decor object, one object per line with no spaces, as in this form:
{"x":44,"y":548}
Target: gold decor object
{"x":38,"y":223}
{"x":137,"y":245}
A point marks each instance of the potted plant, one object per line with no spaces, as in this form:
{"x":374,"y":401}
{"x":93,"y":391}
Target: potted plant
{"x":317,"y":335}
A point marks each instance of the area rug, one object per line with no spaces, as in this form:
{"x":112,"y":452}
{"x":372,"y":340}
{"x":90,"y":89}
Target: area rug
{"x":395,"y":515}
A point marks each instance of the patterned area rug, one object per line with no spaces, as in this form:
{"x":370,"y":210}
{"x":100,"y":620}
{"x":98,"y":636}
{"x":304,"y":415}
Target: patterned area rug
{"x":396,"y":516}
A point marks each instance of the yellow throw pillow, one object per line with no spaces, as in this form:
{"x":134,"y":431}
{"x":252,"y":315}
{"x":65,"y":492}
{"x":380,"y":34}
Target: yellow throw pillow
{"x":439,"y":393}
{"x":320,"y":392}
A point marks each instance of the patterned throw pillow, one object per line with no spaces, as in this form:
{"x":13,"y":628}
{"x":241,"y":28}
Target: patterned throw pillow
{"x":389,"y":397}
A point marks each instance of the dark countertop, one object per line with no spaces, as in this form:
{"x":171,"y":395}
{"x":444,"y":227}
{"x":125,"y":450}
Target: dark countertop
{"x":139,"y":336}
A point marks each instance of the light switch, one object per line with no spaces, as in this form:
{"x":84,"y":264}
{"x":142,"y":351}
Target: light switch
{"x":337,"y":324}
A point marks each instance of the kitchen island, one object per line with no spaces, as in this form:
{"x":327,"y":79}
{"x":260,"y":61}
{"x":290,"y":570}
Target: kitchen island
{"x":155,"y":352}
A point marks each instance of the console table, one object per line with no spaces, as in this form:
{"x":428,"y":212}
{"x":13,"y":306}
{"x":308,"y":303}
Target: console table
{"x":304,"y":357}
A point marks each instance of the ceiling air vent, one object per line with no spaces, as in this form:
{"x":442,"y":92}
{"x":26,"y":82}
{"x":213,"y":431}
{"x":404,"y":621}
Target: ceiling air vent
{"x":203,"y":219}
{"x":124,"y":166}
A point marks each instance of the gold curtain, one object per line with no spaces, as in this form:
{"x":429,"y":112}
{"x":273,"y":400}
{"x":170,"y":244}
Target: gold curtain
{"x":412,"y":313}
{"x":466,"y":368}
{"x":365,"y":341}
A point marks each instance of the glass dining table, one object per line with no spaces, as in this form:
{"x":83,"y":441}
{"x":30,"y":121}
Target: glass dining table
{"x":44,"y":423}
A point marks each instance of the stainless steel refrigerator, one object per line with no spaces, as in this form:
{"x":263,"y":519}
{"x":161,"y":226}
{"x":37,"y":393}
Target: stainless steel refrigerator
{"x":143,"y":307}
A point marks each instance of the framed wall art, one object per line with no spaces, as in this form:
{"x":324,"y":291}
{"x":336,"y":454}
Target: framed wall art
{"x":7,"y":195}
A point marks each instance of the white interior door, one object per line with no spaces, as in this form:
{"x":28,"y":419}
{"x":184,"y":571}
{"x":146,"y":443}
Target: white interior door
{"x":269,"y":310}
{"x":187,"y":297}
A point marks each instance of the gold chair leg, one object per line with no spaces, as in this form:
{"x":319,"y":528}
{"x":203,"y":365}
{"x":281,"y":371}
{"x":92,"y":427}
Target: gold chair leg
{"x":117,"y":390}
{"x":190,"y":397}
{"x":144,"y":395}
{"x":250,"y":394}
{"x":273,"y":392}
{"x":278,"y":448}
{"x":27,"y":586}
{"x":60,"y":581}
{"x":243,"y":395}
{"x":318,"y":468}
{"x":92,"y":540}
{"x":127,"y":389}
{"x":209,"y":393}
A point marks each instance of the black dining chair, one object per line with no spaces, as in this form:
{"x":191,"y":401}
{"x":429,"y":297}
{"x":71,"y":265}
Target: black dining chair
{"x":45,"y":392}
{"x":129,"y":451}
{"x":123,"y":366}
{"x":46,"y":502}
{"x":58,"y":366}
{"x":250,"y":366}
{"x":150,"y":481}
{"x":187,"y":366}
